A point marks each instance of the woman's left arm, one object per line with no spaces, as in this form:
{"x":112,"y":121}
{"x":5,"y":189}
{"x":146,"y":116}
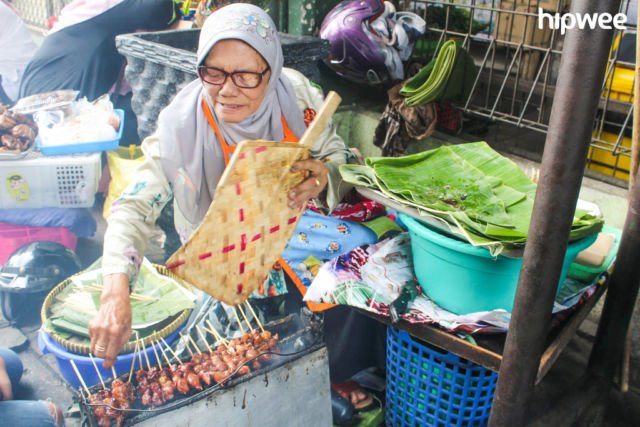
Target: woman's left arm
{"x":329,"y":152}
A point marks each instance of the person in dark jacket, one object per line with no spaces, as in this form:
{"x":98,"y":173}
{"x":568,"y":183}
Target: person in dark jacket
{"x":84,"y":57}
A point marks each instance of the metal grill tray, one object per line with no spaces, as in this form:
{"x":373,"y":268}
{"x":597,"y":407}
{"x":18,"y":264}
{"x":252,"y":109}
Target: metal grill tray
{"x":305,"y":336}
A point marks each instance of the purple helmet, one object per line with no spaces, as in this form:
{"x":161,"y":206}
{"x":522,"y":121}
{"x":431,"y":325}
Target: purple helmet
{"x":357,"y":52}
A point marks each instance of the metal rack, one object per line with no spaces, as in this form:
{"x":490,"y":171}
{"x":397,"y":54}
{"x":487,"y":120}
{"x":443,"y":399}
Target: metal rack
{"x":518,"y":64}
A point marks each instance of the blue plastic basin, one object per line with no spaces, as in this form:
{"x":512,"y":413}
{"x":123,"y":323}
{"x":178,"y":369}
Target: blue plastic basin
{"x":463,"y":278}
{"x":85,"y":365}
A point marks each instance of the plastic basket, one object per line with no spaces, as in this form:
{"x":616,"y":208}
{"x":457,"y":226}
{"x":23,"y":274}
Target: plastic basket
{"x":50,"y":182}
{"x":429,"y":387}
{"x":86,"y":366}
{"x":83,"y":147}
{"x":13,"y":237}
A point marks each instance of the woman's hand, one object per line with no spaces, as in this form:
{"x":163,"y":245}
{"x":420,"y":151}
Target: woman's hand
{"x":310,"y":187}
{"x":111,"y":328}
{"x":5,"y":383}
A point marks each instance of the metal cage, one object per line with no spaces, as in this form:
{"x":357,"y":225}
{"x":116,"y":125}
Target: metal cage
{"x":518,"y":64}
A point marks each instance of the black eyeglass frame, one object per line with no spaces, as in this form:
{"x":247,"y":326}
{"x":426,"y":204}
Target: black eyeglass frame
{"x":260,"y":75}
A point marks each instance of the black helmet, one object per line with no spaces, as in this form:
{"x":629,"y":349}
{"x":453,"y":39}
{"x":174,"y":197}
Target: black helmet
{"x":31,"y":272}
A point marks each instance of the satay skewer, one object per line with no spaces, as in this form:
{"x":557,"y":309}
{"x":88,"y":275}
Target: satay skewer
{"x":113,"y":371}
{"x":171,"y":350}
{"x":194,"y":344}
{"x":245,"y":317}
{"x":239,"y":321}
{"x":216,"y":338}
{"x":202,"y":336}
{"x":158,"y":361}
{"x":216,"y":334}
{"x":75,"y":368}
{"x":133,"y":361}
{"x":254,"y":315}
{"x":97,"y":370}
{"x":146,"y":356}
{"x":186,"y":344}
{"x":163,"y":353}
{"x":140,"y":347}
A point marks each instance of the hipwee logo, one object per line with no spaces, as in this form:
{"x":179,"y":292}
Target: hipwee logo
{"x":571,"y":20}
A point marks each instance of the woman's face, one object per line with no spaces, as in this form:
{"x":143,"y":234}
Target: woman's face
{"x":231,"y":103}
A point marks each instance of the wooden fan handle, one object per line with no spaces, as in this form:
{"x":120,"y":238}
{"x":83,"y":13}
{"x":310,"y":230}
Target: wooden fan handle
{"x":321,"y":120}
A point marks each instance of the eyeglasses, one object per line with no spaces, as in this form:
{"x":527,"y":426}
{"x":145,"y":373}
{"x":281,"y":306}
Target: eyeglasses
{"x":242,"y":79}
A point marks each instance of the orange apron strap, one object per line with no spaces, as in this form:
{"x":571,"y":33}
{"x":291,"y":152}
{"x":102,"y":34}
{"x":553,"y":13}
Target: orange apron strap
{"x":226,"y":149}
{"x":288,"y":135}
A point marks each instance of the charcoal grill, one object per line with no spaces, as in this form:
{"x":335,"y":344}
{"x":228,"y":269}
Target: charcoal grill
{"x":297,"y":374}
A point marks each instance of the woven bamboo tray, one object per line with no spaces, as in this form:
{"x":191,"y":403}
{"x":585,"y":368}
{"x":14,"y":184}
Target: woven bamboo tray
{"x":173,"y":324}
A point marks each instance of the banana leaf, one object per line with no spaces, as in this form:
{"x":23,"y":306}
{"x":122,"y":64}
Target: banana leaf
{"x":482,"y":196}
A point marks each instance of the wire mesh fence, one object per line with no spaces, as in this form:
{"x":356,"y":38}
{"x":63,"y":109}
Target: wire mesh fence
{"x":36,"y":12}
{"x":518,"y":60}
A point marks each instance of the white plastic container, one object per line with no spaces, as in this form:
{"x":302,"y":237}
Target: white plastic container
{"x":49,"y":182}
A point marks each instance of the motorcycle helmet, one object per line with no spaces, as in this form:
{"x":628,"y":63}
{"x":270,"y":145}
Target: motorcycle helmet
{"x":30,"y":273}
{"x":369,"y":40}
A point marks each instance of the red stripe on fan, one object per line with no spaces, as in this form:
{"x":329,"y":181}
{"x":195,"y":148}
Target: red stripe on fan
{"x":260,"y":150}
{"x":242,"y":268}
{"x":243,"y":155}
{"x":239,"y":288}
{"x":204,"y":256}
{"x":228,"y":248}
{"x":274,"y":229}
{"x":243,"y":242}
{"x":175,"y":264}
{"x":241,"y":212}
{"x":237,"y":189}
{"x":292,"y":220}
{"x":256,"y":237}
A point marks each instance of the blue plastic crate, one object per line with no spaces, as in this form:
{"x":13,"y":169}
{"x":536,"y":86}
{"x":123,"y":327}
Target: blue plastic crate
{"x":429,"y":387}
{"x":83,"y":147}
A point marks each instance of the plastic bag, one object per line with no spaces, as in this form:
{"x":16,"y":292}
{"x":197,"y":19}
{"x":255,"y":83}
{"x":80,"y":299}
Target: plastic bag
{"x":123,"y":164}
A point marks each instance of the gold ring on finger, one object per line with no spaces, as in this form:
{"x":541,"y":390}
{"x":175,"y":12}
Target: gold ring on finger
{"x":317,"y":181}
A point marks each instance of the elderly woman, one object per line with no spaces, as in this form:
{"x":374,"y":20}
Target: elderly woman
{"x":243,"y":93}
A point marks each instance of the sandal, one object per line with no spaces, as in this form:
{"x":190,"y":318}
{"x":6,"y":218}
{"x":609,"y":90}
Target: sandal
{"x":348,"y":388}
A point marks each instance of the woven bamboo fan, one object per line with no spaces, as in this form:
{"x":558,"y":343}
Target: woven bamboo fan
{"x":248,"y":223}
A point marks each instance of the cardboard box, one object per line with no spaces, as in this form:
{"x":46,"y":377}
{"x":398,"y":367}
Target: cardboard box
{"x":514,"y":27}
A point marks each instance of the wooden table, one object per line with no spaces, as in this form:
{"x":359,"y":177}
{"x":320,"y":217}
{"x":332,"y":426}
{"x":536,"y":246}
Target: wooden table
{"x":488,"y":351}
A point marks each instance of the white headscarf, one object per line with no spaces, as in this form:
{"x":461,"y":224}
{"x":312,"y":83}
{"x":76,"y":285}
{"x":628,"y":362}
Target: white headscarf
{"x":191,"y":155}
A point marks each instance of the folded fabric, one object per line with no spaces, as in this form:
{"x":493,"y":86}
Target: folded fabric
{"x":78,"y":220}
{"x":449,"y":76}
{"x":400,"y":124}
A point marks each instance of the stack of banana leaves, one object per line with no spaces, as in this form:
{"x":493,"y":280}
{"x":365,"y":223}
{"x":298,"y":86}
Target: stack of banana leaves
{"x":156,"y":300}
{"x":482,"y":196}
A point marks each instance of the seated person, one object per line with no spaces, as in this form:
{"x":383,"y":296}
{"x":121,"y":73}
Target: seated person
{"x":83,"y":56}
{"x":25,"y":413}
